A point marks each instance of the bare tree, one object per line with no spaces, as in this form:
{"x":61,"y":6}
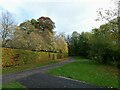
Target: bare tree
{"x":6,"y":26}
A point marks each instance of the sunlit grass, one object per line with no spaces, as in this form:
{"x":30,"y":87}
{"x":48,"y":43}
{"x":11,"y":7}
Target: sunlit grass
{"x":90,"y":72}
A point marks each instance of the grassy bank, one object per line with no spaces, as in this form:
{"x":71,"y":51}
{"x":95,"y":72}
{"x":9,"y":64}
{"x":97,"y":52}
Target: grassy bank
{"x":14,"y":86}
{"x":15,"y":57}
{"x":14,"y":69}
{"x":14,"y":60}
{"x":90,"y":72}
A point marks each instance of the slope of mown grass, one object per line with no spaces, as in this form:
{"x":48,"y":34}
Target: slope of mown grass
{"x":89,"y":71}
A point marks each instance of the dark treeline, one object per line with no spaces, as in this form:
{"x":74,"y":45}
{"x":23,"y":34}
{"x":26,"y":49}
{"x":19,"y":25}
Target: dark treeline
{"x":100,"y":44}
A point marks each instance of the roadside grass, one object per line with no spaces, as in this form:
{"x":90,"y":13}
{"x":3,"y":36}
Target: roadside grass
{"x":79,"y":58}
{"x":13,"y":69}
{"x":13,"y":85}
{"x":17,"y":85}
{"x":90,"y":72}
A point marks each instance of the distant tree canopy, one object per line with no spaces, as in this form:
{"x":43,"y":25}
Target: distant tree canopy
{"x":43,"y":23}
{"x":101,"y":44}
{"x":37,"y":35}
{"x":46,"y":23}
{"x":78,"y":44}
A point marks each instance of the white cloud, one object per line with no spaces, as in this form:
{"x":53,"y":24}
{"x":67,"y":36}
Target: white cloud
{"x":68,"y":15}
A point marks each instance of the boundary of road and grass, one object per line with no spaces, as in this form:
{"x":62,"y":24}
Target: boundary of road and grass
{"x":15,"y":84}
{"x":76,"y":71}
{"x":14,"y":69}
{"x":88,"y":71}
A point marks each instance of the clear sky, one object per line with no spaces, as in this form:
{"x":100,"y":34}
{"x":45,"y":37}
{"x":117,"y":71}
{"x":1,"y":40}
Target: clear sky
{"x":68,"y":15}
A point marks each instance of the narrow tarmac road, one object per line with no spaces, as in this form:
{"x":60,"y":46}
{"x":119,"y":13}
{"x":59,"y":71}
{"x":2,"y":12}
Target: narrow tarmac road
{"x":35,"y":78}
{"x":41,"y":80}
{"x":21,"y":74}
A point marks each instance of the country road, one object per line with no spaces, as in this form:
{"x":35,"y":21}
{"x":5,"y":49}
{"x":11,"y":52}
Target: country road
{"x":21,"y":74}
{"x":36,"y":78}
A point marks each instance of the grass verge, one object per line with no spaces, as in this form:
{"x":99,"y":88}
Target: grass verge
{"x":90,"y":72}
{"x":14,"y":69}
{"x":13,"y":85}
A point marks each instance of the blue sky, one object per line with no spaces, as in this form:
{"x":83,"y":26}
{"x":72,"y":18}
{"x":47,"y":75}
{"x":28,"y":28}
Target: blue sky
{"x":68,"y":16}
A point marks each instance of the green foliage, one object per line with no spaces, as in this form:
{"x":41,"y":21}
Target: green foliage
{"x":100,"y":44}
{"x":13,"y":85}
{"x":103,"y":44}
{"x":46,"y":23}
{"x":78,"y":44}
{"x":25,"y":56}
{"x":18,"y":57}
{"x":34,"y":23}
{"x":112,"y":29}
{"x":29,"y":66}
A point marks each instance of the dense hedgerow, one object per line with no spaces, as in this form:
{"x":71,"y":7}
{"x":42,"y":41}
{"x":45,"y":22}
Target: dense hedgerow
{"x":13,"y":57}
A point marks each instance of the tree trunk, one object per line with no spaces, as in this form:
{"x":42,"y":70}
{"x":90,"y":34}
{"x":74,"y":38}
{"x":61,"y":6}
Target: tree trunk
{"x":119,"y":33}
